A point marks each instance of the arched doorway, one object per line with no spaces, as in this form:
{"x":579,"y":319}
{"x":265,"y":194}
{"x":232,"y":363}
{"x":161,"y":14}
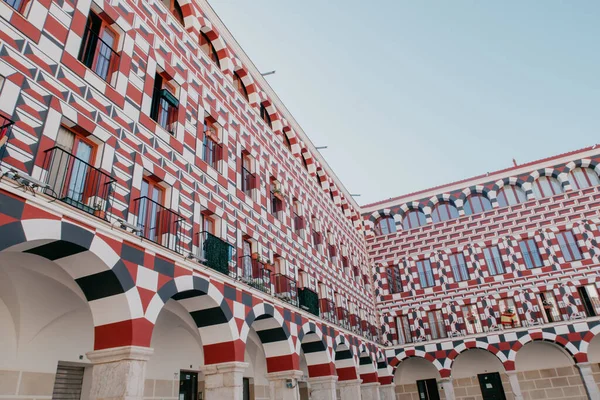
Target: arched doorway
{"x":541,"y":362}
{"x":417,"y":377}
{"x":477,"y":371}
{"x":256,"y":385}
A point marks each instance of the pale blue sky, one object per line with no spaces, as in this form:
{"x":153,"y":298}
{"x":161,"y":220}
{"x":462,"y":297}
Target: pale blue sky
{"x":413,"y":94}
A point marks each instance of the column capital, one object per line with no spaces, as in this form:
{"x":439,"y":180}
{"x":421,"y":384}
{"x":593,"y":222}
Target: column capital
{"x":513,"y":372}
{"x":292,"y":374}
{"x":323,"y":379}
{"x":584,"y":364}
{"x":370,"y":384}
{"x":221,"y":368}
{"x":116,"y":354}
{"x":351,"y":382}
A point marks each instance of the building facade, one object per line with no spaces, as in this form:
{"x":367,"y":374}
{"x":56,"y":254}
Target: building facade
{"x":168,"y":231}
{"x":488,"y":287}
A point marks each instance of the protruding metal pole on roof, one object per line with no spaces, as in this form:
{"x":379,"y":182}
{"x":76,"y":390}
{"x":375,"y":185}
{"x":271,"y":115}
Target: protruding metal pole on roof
{"x":268,"y":73}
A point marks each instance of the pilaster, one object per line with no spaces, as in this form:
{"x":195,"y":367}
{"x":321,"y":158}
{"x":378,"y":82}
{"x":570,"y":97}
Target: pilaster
{"x":224,"y":381}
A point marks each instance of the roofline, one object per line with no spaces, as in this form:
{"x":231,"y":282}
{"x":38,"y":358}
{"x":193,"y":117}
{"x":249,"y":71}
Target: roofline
{"x":489,"y":175}
{"x":264,"y":85}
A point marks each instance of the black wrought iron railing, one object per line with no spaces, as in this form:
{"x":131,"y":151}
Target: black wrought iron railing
{"x":5,"y":131}
{"x":77,"y":183}
{"x":328,"y":311}
{"x":98,"y":54}
{"x":309,"y":301}
{"x":285,"y":289}
{"x":255,"y":274}
{"x":216,"y":253}
{"x":158,"y":224}
{"x":343,"y":318}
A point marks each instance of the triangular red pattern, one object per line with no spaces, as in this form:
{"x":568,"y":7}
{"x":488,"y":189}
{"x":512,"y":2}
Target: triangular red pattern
{"x":146,"y":296}
{"x":30,"y":212}
{"x":132,"y":268}
{"x":162,"y":279}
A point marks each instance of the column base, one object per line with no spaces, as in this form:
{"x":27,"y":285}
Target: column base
{"x":224,"y":381}
{"x":284,"y":384}
{"x":370,"y":391}
{"x":350,"y":390}
{"x":119,"y":373}
{"x":323,"y":388}
{"x":387,"y":392}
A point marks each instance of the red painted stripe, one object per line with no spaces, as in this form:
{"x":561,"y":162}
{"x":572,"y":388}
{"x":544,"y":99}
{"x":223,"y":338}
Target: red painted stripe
{"x":321,"y":370}
{"x":369,"y":378}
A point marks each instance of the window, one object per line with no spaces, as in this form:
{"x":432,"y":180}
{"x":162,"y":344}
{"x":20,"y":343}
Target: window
{"x":549,"y":307}
{"x":546,"y":186}
{"x":394,"y":279}
{"x":164,"y":103}
{"x":97,"y":47}
{"x":568,"y":246}
{"x":18,"y":5}
{"x":208,"y":49}
{"x":239,"y":86}
{"x":152,"y":198}
{"x":403,"y":329}
{"x":276,"y":198}
{"x":425,"y":273}
{"x":298,"y":219}
{"x":459,"y":267}
{"x":248,"y":179}
{"x":413,"y":219}
{"x":436,"y":324}
{"x":288,"y":145}
{"x":211,"y":149}
{"x":477,"y":203}
{"x":508,"y":310}
{"x":316,"y":238}
{"x":493,"y":260}
{"x":471,"y":318}
{"x":346,"y":266}
{"x":332,"y":252}
{"x":510,"y":195}
{"x":582,"y":178}
{"x":589,"y":298}
{"x":531,"y":254}
{"x":264,"y":115}
{"x":385,"y":225}
{"x":444,"y":211}
{"x":175,"y":9}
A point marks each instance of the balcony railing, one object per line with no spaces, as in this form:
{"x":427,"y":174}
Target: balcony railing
{"x":285,"y":289}
{"x":309,"y":301}
{"x":328,"y":311}
{"x":343,"y":318}
{"x":216,"y":253}
{"x":5,"y":131}
{"x":77,"y":183}
{"x":158,"y":224}
{"x":98,"y":55}
{"x":354,"y":323}
{"x":255,"y":274}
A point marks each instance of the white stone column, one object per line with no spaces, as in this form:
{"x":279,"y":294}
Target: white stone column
{"x":387,"y":392}
{"x":323,"y":388}
{"x":448,"y":388}
{"x":585,"y":369}
{"x":350,"y":390}
{"x":280,"y":383}
{"x":370,"y":391}
{"x":119,"y":373}
{"x":513,"y":379}
{"x":224,"y":381}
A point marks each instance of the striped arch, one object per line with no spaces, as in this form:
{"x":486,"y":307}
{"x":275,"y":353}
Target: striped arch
{"x":274,"y":336}
{"x":310,"y":161}
{"x":544,"y":336}
{"x":385,"y":372}
{"x":435,"y":200}
{"x":190,"y":16}
{"x":376,"y":215}
{"x":473,"y":344}
{"x":462,"y":197}
{"x":587,"y":339}
{"x":582,"y":163}
{"x":209,"y":310}
{"x":276,"y":124}
{"x":407,"y":353}
{"x":318,"y":360}
{"x":510,"y":181}
{"x":412,"y":206}
{"x":247,"y":80}
{"x":366,"y":365}
{"x":345,"y":363}
{"x":95,"y":266}
{"x":549,"y":172}
{"x":217,"y":42}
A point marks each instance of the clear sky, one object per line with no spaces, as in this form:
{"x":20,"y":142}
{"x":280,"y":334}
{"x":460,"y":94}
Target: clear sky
{"x":413,"y":94}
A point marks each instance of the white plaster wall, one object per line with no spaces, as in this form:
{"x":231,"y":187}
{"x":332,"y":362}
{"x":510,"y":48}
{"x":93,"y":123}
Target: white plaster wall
{"x":594,"y":350}
{"x":541,"y":355}
{"x":44,"y":317}
{"x":255,"y":357}
{"x":475,"y":361}
{"x":414,"y":369}
{"x":176,"y":343}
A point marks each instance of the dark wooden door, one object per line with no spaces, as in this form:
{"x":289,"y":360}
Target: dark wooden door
{"x":428,"y":390}
{"x":491,"y":386}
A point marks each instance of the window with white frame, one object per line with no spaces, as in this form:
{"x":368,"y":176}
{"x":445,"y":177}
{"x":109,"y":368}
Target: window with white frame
{"x":568,"y":246}
{"x":546,"y":186}
{"x":425,"y":273}
{"x":583,"y":178}
{"x":493,"y":259}
{"x":531,"y":253}
{"x":510,"y":195}
{"x":459,"y":266}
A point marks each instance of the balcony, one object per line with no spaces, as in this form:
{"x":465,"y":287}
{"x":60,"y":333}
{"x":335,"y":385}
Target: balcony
{"x":285,"y":289}
{"x":343,"y":318}
{"x":355,"y":323}
{"x":216,"y":254}
{"x":255,"y":274}
{"x":328,"y":311}
{"x":158,"y":224}
{"x":74,"y":181}
{"x":309,"y":301}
